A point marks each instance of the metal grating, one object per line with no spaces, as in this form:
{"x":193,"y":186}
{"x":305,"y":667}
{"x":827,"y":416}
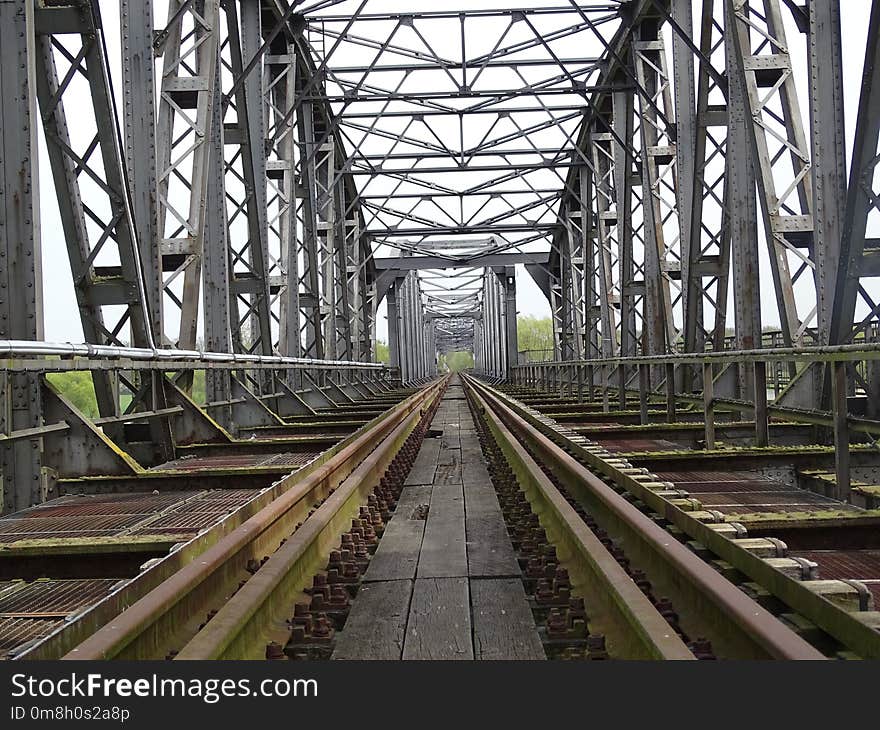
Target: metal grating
{"x":30,"y":611}
{"x":629,"y":445}
{"x":731,"y":487}
{"x":292,"y":459}
{"x":768,"y":498}
{"x":137,"y":503}
{"x":686,"y":477}
{"x":184,"y":520}
{"x":51,"y":598}
{"x":8,"y":538}
{"x":845,"y":564}
{"x":119,"y":514}
{"x":287,"y":460}
{"x":73,"y":524}
{"x":197,"y":514}
{"x":15,"y":632}
{"x":232,"y":496}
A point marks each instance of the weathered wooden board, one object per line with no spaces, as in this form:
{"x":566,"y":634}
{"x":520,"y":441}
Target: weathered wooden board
{"x":470,"y":449}
{"x":397,"y":556}
{"x":439,"y":625}
{"x":425,"y":465}
{"x":448,"y":474}
{"x":376,"y":626}
{"x":443,"y":546}
{"x":476,"y":475}
{"x":503,"y":623}
{"x":489,"y":552}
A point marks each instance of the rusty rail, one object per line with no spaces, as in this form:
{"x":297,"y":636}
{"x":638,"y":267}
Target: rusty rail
{"x":243,"y":626}
{"x":745,"y":627}
{"x":852,"y":629}
{"x":635,"y":626}
{"x":164,"y":617}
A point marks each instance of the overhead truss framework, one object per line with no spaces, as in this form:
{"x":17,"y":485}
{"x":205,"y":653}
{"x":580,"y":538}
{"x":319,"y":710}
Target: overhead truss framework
{"x":273,"y":170}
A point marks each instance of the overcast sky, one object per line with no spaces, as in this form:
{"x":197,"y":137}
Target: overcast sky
{"x":61,"y":315}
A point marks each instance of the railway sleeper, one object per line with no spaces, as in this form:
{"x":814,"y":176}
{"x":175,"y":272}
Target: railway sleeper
{"x":850,"y":596}
{"x":560,"y":616}
{"x":564,"y":630}
{"x":315,"y":622}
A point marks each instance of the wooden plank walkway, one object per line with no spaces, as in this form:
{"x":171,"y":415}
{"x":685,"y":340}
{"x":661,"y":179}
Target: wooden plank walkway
{"x":376,"y":625}
{"x":439,"y":625}
{"x":397,"y":556}
{"x":445,"y":587}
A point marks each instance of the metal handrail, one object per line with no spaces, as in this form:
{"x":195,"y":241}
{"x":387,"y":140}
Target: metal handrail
{"x":139,"y":357}
{"x":812,"y":353}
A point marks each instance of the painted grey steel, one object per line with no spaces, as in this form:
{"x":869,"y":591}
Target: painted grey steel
{"x":21,"y":305}
{"x":139,"y":114}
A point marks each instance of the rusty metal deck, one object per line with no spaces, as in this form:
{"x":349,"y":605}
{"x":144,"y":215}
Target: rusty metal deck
{"x":748,"y":492}
{"x":199,"y":462}
{"x":31,"y":610}
{"x":112,"y":515}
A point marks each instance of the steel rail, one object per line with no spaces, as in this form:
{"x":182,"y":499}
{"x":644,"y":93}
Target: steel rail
{"x":152,"y":624}
{"x":639,"y":632}
{"x":846,"y":627}
{"x":757,"y":631}
{"x":243,"y":626}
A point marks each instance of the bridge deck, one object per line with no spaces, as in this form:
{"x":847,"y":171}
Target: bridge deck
{"x":444,"y":582}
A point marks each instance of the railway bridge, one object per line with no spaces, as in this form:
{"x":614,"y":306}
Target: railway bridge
{"x":220,"y":209}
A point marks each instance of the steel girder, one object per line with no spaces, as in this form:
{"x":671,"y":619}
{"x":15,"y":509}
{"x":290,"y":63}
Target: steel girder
{"x":855,"y":310}
{"x":411,"y":334}
{"x":649,"y":217}
{"x":495,"y":350}
{"x":189,"y":45}
{"x":701,"y":150}
{"x":95,"y":202}
{"x":21,"y":316}
{"x":659,"y":178}
{"x":781,"y":157}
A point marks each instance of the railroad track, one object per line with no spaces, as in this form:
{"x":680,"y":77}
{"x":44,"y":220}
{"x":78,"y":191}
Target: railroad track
{"x":609,"y":560}
{"x":749,"y":596}
{"x":165,"y":604}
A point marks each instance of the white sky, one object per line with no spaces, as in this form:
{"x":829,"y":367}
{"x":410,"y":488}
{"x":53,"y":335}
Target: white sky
{"x":61,"y":314}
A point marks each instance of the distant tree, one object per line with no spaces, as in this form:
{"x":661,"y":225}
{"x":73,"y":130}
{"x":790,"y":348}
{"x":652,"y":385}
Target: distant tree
{"x":79,"y":389}
{"x":198,"y":390}
{"x":455,"y":362}
{"x":534,"y":333}
{"x":382,"y":353}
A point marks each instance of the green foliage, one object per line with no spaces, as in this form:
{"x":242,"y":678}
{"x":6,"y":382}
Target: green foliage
{"x":382,"y":354}
{"x":198,"y":391}
{"x":534,"y":333}
{"x":78,"y":388}
{"x":456,"y":361}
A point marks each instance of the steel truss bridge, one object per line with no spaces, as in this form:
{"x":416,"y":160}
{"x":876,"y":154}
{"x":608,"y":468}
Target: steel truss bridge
{"x":246,"y":188}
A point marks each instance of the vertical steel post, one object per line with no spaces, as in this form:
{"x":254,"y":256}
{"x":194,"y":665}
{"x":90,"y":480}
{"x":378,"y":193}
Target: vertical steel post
{"x":670,"y":392}
{"x":139,"y":111}
{"x":762,"y":426}
{"x":644,"y":379}
{"x":709,"y":406}
{"x":841,"y":431}
{"x":21,"y":305}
